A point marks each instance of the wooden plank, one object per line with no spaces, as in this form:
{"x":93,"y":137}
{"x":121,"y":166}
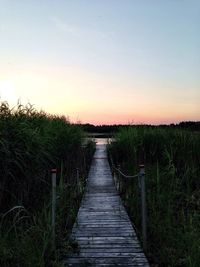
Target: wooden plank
{"x":95,"y":245}
{"x":109,"y":254}
{"x":107,"y":240}
{"x":118,"y":250}
{"x":103,"y":234}
{"x":112,"y":261}
{"x":96,"y":224}
{"x":103,"y":231}
{"x":104,"y":225}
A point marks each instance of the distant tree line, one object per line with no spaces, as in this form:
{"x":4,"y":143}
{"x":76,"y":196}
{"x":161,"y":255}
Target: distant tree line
{"x":90,"y":128}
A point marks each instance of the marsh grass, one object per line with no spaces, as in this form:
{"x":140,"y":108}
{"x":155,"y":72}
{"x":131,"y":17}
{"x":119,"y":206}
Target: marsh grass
{"x":172,"y":161}
{"x":31,"y":144}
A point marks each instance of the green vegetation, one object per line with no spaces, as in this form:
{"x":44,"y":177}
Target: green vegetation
{"x":31,"y":144}
{"x":172,"y":161}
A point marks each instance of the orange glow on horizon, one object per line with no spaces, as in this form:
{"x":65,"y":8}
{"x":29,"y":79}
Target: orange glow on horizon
{"x":57,"y":90}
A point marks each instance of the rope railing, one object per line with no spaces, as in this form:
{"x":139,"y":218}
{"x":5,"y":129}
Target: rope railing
{"x":141,"y":184}
{"x":124,"y":175}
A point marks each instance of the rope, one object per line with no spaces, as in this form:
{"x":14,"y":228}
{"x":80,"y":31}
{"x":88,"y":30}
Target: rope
{"x":124,"y":175}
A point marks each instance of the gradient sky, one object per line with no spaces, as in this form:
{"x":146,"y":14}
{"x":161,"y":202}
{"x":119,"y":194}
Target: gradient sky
{"x":103,"y":61}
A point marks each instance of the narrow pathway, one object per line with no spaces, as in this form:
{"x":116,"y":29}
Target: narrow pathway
{"x":103,"y":231}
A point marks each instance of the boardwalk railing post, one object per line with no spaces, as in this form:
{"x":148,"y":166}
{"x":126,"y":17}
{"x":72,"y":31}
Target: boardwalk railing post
{"x":77,"y":180}
{"x":119,"y":179}
{"x":143,"y":206}
{"x":53,"y":214}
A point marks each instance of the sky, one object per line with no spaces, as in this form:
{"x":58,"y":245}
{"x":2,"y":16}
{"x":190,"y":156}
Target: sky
{"x":103,"y":61}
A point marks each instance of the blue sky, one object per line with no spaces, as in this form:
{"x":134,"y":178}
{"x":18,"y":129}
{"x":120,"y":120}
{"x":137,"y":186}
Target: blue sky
{"x":103,"y":61}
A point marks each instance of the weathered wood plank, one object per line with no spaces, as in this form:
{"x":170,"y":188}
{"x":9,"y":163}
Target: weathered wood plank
{"x":112,"y":261}
{"x":118,"y":251}
{"x":103,"y":231}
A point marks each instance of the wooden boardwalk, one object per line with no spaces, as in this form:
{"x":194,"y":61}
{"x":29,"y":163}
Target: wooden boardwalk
{"x":103,"y":231}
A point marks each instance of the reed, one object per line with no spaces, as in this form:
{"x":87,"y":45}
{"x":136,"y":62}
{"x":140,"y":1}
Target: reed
{"x":172,"y":162}
{"x":31,"y":144}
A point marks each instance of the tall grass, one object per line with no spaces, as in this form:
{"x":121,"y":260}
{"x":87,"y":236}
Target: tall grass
{"x":31,"y":144}
{"x":172,"y":162}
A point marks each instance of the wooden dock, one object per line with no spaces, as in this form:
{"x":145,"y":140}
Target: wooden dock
{"x":103,"y":231}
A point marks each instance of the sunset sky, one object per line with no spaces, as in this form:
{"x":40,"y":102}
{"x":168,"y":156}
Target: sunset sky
{"x":103,"y":61}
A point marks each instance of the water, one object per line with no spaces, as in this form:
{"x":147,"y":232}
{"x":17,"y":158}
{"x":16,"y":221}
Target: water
{"x":102,"y":141}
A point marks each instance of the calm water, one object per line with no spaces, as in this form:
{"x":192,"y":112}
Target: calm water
{"x":101,"y":141}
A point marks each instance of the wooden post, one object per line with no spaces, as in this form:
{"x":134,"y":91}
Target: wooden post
{"x":143,"y":206}
{"x":77,"y":180}
{"x":53,"y":214}
{"x":119,"y":180}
